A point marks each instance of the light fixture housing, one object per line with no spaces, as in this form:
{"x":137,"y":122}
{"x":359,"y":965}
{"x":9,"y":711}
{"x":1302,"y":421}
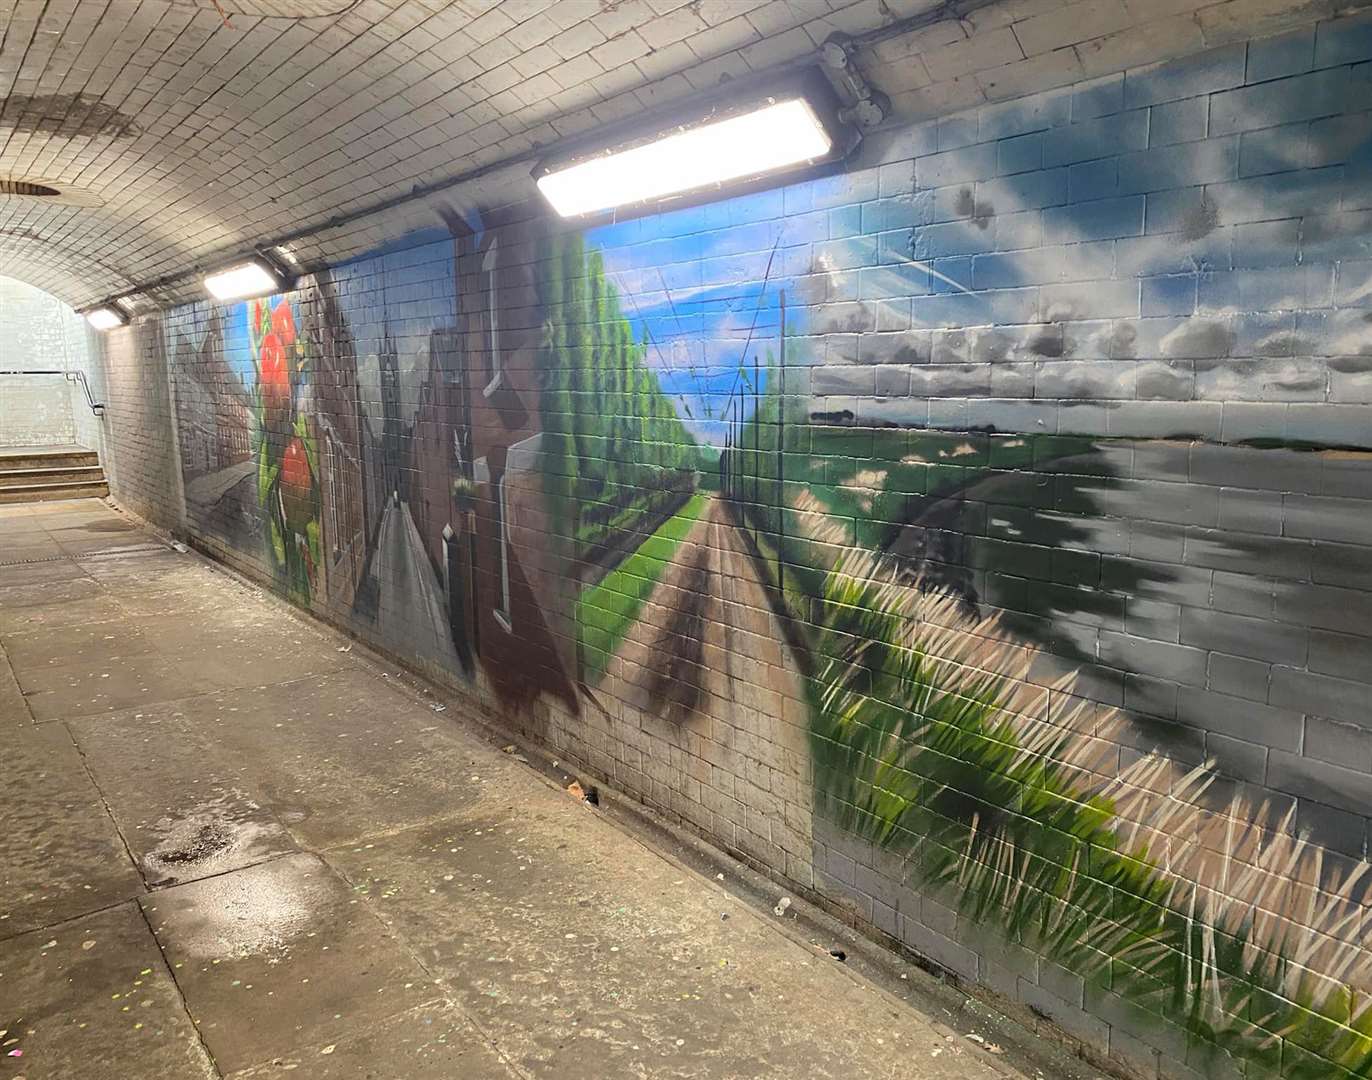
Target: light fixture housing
{"x":107,"y":317}
{"x":745,"y":141}
{"x":245,"y":280}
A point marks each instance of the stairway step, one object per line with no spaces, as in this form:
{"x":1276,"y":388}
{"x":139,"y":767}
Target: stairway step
{"x":45,"y":492}
{"x":89,"y":474}
{"x":62,"y":458}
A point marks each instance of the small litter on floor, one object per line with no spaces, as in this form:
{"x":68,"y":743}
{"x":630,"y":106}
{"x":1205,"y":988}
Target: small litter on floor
{"x":838,"y":954}
{"x":782,"y":904}
{"x":179,"y":547}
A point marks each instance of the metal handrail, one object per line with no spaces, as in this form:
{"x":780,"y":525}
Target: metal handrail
{"x":97,"y":407}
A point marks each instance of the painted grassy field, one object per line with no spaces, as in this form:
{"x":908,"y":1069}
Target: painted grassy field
{"x":606,"y":610}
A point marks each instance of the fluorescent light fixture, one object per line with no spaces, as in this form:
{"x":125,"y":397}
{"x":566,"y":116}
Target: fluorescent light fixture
{"x":777,"y":135}
{"x":244,"y":280}
{"x":107,"y":317}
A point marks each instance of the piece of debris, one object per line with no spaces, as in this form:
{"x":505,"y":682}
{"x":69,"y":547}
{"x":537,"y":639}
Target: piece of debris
{"x":993,"y":1048}
{"x":838,"y":954}
{"x":575,"y":791}
{"x":346,"y":648}
{"x":782,"y":904}
{"x":592,"y":796}
{"x":509,"y":749}
{"x":438,"y":708}
{"x":88,"y":944}
{"x":179,"y":547}
{"x":975,"y":1037}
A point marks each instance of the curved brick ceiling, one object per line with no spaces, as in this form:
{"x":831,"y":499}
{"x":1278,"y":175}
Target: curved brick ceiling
{"x":181,"y":136}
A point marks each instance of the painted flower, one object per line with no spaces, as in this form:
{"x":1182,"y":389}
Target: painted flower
{"x":297,"y":487}
{"x":274,"y":383}
{"x":283,"y":324}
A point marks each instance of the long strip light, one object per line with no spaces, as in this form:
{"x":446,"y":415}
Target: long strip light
{"x":242,"y":281}
{"x":777,"y":136}
{"x":107,"y":317}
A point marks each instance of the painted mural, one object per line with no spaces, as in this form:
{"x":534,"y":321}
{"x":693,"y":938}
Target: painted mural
{"x":995,"y":520}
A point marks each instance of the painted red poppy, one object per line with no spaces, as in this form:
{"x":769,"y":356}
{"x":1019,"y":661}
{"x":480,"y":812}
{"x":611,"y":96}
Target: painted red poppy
{"x":296,"y":486}
{"x":274,"y":383}
{"x":283,"y":324}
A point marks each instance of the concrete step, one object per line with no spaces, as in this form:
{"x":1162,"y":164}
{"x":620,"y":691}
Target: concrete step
{"x":64,"y":457}
{"x":43,"y":492}
{"x":88,"y":474}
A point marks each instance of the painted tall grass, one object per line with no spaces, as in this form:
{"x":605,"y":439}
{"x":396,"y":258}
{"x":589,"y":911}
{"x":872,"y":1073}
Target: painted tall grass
{"x":1008,"y":800}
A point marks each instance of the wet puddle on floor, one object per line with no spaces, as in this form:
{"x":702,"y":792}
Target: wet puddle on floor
{"x":226,"y":833}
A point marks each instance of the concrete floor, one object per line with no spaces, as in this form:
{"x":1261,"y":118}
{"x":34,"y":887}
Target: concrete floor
{"x":233,"y":847}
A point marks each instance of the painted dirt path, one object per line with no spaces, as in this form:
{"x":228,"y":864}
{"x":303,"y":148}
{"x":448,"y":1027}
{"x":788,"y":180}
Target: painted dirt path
{"x":706,"y":657}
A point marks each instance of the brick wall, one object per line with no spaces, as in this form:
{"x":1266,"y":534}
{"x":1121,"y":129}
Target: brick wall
{"x":976,"y":540}
{"x":138,"y":427}
{"x":40,"y":333}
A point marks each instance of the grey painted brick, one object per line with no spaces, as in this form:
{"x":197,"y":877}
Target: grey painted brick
{"x":938,"y":948}
{"x":1344,"y":655}
{"x":1238,"y":676}
{"x":1275,"y":149}
{"x":1236,"y":758}
{"x":1178,"y":122}
{"x":1236,"y":635}
{"x":1343,"y":41}
{"x":1346,"y":520}
{"x":1282,"y":101}
{"x":1177,"y":663}
{"x":1037,"y":112}
{"x":1250,"y":721}
{"x":1250,"y":511}
{"x":1203,"y":73}
{"x":1090,"y":1029}
{"x":1338,"y":743}
{"x":1097,"y":179}
{"x":1326,"y":607}
{"x":1021,"y":153}
{"x":1338,"y":699}
{"x":1098,"y":97}
{"x":1183,"y":165}
{"x":1103,"y":137}
{"x":1285,"y":54}
{"x":956,"y":166}
{"x":1319,"y":781}
{"x":1275,"y":556}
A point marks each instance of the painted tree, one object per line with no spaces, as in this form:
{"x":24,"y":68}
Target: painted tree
{"x":617,"y":455}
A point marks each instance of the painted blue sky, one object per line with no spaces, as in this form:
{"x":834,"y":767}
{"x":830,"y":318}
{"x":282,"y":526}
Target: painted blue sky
{"x":238,"y":341}
{"x":706,"y":310}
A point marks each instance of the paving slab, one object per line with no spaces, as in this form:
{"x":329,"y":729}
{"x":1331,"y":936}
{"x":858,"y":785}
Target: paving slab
{"x":39,"y":573}
{"x":85,"y":642}
{"x":92,"y":999}
{"x":350,"y":757}
{"x":60,"y":854}
{"x":279,"y":956}
{"x":185,"y":807}
{"x":13,"y":709}
{"x":431,"y":1043}
{"x":243,"y":645}
{"x":62,"y":691}
{"x":585,"y":956}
